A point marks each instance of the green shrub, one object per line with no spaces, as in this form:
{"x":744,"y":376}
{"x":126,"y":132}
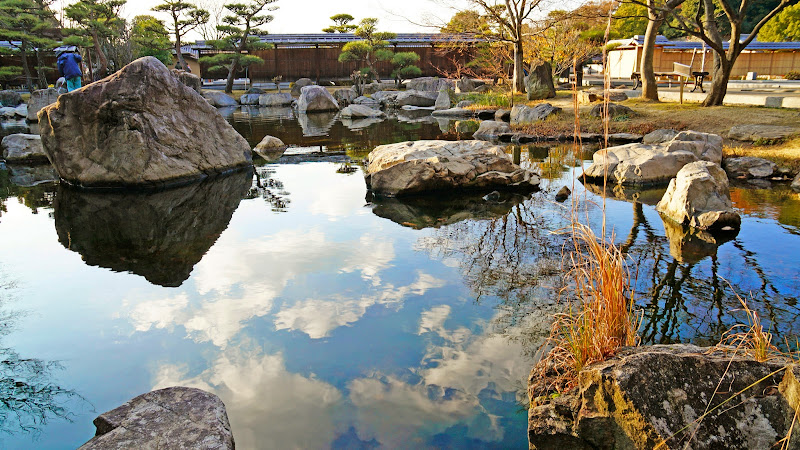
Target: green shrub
{"x":793,"y":75}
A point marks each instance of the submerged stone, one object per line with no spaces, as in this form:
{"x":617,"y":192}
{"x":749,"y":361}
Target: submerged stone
{"x":138,"y":127}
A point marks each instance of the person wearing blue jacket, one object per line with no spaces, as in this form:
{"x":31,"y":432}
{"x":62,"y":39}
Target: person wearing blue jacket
{"x":69,"y":64}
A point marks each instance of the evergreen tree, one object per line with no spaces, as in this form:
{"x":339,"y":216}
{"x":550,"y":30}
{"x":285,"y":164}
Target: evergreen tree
{"x":404,"y":66}
{"x":372,"y":48}
{"x":240,"y":41}
{"x":185,"y":17}
{"x":341,"y":24}
{"x":150,"y":37}
{"x":31,"y":25}
{"x":96,"y":21}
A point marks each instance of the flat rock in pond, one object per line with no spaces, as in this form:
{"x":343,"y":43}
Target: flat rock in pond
{"x":219,"y":99}
{"x":748,"y":167}
{"x":360,"y":111}
{"x":642,"y":164}
{"x":416,"y":98}
{"x":414,"y":168}
{"x":699,"y":197}
{"x":249,"y":99}
{"x":139,"y":127}
{"x":270,"y":148}
{"x":755,"y":132}
{"x":454,"y":112}
{"x":284,"y":99}
{"x":171,"y":418}
{"x":23,"y":148}
{"x":491,"y":129}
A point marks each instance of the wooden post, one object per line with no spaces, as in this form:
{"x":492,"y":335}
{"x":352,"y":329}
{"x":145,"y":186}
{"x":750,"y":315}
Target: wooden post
{"x":682,"y":85}
{"x":517,"y":155}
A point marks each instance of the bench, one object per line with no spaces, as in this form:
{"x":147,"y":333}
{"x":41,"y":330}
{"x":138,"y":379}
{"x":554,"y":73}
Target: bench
{"x":678,"y":70}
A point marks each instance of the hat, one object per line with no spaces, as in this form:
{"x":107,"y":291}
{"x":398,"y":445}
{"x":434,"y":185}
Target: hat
{"x":66,"y":49}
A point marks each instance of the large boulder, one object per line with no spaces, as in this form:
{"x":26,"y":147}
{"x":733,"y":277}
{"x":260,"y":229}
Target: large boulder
{"x":27,"y":148}
{"x":189,"y":79}
{"x":219,"y":99}
{"x":523,"y":114}
{"x":466,"y":84}
{"x":367,"y":101}
{"x":539,"y":84}
{"x":416,"y":98}
{"x":360,"y":111}
{"x":614,"y":110}
{"x":345,"y":96}
{"x":699,"y":197}
{"x":430,"y":84}
{"x":297,"y":87}
{"x":755,"y":132}
{"x":249,"y":99}
{"x":21,"y":111}
{"x":491,"y":129}
{"x":284,"y":99}
{"x":138,"y":127}
{"x":175,"y":417}
{"x":10,"y":98}
{"x":442,"y":100}
{"x":270,"y":148}
{"x":748,"y":167}
{"x":375,"y":86}
{"x":412,"y":168}
{"x":646,"y":397}
{"x":39,"y":99}
{"x":386,"y":98}
{"x":316,"y":99}
{"x":643,"y":164}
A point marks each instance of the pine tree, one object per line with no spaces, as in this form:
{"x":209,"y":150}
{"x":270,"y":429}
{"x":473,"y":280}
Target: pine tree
{"x":185,"y":17}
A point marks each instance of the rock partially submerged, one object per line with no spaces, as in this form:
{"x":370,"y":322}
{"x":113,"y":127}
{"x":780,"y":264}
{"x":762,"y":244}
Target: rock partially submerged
{"x":23,"y":148}
{"x":648,"y":395}
{"x":139,"y":127}
{"x":316,"y":99}
{"x":219,"y":99}
{"x":643,"y":164}
{"x":270,"y":148}
{"x":360,"y":111}
{"x":410,"y":168}
{"x":749,"y":167}
{"x":284,"y":99}
{"x":699,"y":197}
{"x":39,"y":99}
{"x":175,"y":417}
{"x":491,"y":129}
{"x":415,"y":98}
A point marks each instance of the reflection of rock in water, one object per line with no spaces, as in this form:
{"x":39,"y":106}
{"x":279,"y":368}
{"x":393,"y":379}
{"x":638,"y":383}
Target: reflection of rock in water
{"x":28,"y":176}
{"x":358,"y":124}
{"x":316,"y":124}
{"x":690,"y":246}
{"x":246,"y":113}
{"x":415,"y":116}
{"x":437,"y":211}
{"x":627,"y":193}
{"x":158,"y":235}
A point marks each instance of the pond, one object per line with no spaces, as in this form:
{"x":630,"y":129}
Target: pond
{"x":324,"y":320}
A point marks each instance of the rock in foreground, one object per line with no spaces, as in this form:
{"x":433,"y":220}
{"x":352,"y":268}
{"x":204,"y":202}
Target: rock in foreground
{"x":699,"y":197}
{"x":175,"y":417}
{"x":139,"y":127}
{"x":409,"y":168}
{"x":643,"y":164}
{"x":649,"y":395}
{"x":26,"y":148}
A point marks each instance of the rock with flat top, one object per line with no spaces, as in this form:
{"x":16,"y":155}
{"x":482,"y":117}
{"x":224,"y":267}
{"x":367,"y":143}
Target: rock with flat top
{"x":614,"y":110}
{"x":749,"y":167}
{"x":345,"y":96}
{"x":139,"y":127}
{"x":430,"y":84}
{"x":659,"y":136}
{"x":699,"y":197}
{"x":755,"y":132}
{"x":360,"y":112}
{"x":39,"y":99}
{"x":284,"y":99}
{"x":416,"y":98}
{"x":415,"y":168}
{"x":23,"y":148}
{"x":171,"y":418}
{"x":491,"y":129}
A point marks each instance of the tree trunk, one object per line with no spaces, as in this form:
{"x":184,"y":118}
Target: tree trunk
{"x":40,"y":72}
{"x":23,"y":54}
{"x":231,"y":75}
{"x":649,"y":86}
{"x":102,"y":61}
{"x":719,"y":85}
{"x":519,"y":72}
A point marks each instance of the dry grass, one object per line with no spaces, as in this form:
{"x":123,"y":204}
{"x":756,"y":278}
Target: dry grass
{"x":597,"y":323}
{"x":751,"y":339}
{"x":785,"y":154}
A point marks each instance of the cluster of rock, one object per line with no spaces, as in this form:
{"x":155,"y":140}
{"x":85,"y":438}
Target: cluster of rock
{"x":658,"y":396}
{"x":13,"y":108}
{"x":410,"y":168}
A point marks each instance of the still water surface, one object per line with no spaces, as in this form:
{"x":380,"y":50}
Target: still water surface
{"x":323,"y":320}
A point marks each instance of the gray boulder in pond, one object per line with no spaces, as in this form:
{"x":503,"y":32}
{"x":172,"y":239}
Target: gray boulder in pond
{"x":284,"y":99}
{"x":539,"y":84}
{"x":416,"y":98}
{"x":491,"y":129}
{"x":420,"y":167}
{"x":345,"y":96}
{"x":442,"y":100}
{"x":23,"y":148}
{"x":219,"y":99}
{"x":10,"y":98}
{"x":360,"y":111}
{"x":175,"y":417}
{"x":316,"y":99}
{"x":39,"y":99}
{"x":138,"y":127}
{"x":270,"y":148}
{"x":642,"y":164}
{"x":649,"y":395}
{"x":748,"y":167}
{"x":523,"y":114}
{"x":699,"y":197}
{"x":249,"y":99}
{"x":298,"y":86}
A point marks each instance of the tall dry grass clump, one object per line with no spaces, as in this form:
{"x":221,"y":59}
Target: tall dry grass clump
{"x":599,"y":319}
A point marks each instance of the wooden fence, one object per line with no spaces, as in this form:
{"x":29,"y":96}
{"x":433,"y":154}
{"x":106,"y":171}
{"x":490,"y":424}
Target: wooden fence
{"x":322,"y":63}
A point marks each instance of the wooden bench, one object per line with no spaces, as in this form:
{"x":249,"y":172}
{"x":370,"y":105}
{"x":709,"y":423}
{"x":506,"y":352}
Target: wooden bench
{"x":678,"y":71}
